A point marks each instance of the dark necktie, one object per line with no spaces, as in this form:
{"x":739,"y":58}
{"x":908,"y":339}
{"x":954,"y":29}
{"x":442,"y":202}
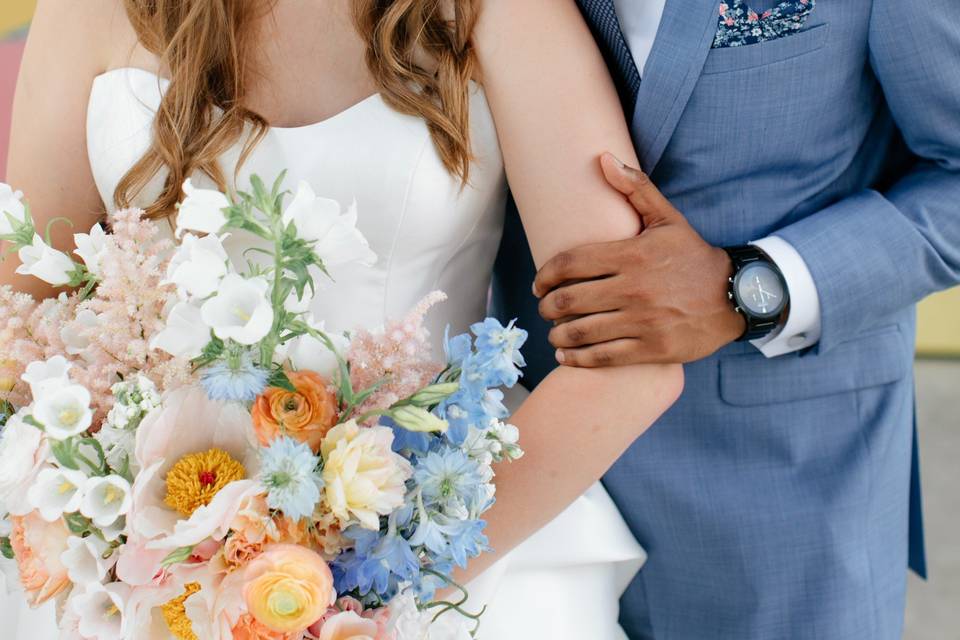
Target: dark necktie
{"x":602,"y":18}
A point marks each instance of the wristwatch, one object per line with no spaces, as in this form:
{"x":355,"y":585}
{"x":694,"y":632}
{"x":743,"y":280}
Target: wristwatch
{"x":757,"y":290}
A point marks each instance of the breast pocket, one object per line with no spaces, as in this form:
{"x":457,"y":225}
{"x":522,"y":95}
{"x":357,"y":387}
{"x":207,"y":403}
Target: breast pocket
{"x":728,"y":59}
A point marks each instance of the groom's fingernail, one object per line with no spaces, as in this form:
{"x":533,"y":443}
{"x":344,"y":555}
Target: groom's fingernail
{"x":534,"y":289}
{"x":560,"y":356}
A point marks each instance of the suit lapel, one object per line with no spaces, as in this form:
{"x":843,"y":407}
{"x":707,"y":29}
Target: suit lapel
{"x":683,"y":41}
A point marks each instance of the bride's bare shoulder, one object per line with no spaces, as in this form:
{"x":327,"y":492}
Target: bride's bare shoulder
{"x":96,"y":34}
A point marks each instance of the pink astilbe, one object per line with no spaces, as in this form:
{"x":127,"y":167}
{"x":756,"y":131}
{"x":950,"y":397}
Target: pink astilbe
{"x":16,"y":344}
{"x":107,"y":335}
{"x":399,"y":354}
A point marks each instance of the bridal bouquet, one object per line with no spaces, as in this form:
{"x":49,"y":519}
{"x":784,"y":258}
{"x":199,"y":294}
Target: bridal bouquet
{"x":186,"y":452}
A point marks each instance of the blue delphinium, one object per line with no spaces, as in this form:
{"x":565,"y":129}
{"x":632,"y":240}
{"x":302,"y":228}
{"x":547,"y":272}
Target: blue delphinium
{"x":288,"y":470}
{"x":498,"y":351}
{"x":377,"y":564}
{"x":234,"y":378}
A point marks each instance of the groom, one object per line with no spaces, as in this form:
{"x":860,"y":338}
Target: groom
{"x":818,"y":143}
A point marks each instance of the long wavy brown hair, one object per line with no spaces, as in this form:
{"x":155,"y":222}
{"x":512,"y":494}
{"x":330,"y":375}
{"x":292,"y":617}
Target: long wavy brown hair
{"x":418,"y":51}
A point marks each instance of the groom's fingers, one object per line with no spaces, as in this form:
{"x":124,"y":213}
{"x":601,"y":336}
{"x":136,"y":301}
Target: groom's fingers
{"x":642,"y":193}
{"x":579,"y":299}
{"x":592,"y":329}
{"x":607,"y":354}
{"x":582,"y":263}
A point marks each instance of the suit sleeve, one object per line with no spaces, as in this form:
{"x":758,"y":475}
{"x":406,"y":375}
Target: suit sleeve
{"x":874,"y":254}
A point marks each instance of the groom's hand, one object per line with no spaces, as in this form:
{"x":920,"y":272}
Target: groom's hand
{"x":658,"y":297}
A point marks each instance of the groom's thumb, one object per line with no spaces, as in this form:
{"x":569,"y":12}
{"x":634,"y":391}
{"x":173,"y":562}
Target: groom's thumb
{"x":639,"y":190}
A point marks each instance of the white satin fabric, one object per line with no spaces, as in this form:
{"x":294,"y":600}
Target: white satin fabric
{"x":564,"y":582}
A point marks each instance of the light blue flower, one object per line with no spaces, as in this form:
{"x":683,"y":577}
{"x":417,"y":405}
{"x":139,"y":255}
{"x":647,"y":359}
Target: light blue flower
{"x":495,"y":339}
{"x":450,"y":480}
{"x":288,"y":472}
{"x":235,"y":378}
{"x":466,"y":409}
{"x":456,"y":348}
{"x":377,"y":564}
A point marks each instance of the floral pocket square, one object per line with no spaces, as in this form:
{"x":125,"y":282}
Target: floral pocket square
{"x":740,"y":25}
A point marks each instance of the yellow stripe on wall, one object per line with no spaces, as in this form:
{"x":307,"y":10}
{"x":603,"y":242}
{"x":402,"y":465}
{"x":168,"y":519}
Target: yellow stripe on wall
{"x":14,"y":15}
{"x":938,"y":332}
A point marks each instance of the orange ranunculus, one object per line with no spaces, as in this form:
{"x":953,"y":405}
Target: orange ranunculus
{"x":305,"y":415}
{"x":247,"y":628}
{"x":287,"y":588}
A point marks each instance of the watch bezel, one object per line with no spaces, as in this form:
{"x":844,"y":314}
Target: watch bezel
{"x":741,"y":303}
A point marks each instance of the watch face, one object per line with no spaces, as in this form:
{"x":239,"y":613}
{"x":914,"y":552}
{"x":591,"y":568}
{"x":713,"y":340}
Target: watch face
{"x":760,"y":290}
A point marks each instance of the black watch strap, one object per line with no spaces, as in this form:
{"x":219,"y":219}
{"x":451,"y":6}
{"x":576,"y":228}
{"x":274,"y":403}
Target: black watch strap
{"x":740,"y":257}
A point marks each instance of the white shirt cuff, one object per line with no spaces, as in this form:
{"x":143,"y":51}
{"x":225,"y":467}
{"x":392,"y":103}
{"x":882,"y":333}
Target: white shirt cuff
{"x":802,"y":328}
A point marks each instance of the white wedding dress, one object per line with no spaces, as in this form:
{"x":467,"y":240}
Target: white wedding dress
{"x":564,"y":582}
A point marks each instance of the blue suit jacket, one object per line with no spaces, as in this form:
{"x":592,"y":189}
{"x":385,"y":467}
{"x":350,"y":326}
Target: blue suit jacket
{"x":774,"y":498}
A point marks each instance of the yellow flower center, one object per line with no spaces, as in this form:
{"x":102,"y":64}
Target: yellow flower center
{"x":69,"y":416}
{"x":110,"y":494}
{"x":196,"y":478}
{"x":7,"y":383}
{"x":175,"y":614}
{"x":65,"y":486}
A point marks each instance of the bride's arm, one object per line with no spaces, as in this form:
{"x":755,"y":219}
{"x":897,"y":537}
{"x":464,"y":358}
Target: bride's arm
{"x":65,"y":49}
{"x":556,"y":111}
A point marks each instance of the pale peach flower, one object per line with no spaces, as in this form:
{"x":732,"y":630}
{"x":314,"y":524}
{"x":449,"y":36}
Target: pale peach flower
{"x":347,"y":625}
{"x":287,"y":588}
{"x":37,"y":546}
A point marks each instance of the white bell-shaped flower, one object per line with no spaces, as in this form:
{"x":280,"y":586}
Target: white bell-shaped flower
{"x":100,"y":610}
{"x":10,"y":204}
{"x":46,"y":373}
{"x":64,"y":412}
{"x":84,"y":559}
{"x":334,"y":232}
{"x":56,"y":492}
{"x":240,"y":311}
{"x":105,"y":499}
{"x":42,"y":261}
{"x":201,"y":210}
{"x":185,"y":335}
{"x":198,"y":266}
{"x":91,"y":247}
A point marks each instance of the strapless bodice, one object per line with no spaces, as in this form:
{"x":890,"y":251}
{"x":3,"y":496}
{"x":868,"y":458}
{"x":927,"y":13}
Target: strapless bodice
{"x":427,"y":231}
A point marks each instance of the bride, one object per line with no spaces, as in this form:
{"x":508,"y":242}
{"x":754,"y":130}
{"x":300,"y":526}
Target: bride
{"x":421,"y":111}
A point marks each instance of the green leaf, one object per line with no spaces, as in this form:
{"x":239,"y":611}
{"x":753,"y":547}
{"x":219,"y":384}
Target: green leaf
{"x":6,"y":549}
{"x":101,"y":456}
{"x":278,"y":378}
{"x":77,"y":523}
{"x":177,"y":556}
{"x":64,"y":453}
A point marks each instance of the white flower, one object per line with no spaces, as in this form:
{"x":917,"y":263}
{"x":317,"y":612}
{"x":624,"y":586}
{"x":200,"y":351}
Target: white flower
{"x":105,"y":499}
{"x":201,"y":210}
{"x":307,"y":353}
{"x":84,"y":559}
{"x":91,"y":247}
{"x":42,"y":374}
{"x":42,"y":261}
{"x":240,"y":311}
{"x":335,"y":234}
{"x":198,"y":266}
{"x":56,"y":492}
{"x":64,"y":412}
{"x":22,"y":451}
{"x":185,"y":334}
{"x":100,"y":610}
{"x":10,"y":204}
{"x":74,"y":334}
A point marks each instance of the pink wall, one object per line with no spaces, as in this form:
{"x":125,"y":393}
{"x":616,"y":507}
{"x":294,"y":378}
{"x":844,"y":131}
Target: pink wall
{"x":9,"y":63}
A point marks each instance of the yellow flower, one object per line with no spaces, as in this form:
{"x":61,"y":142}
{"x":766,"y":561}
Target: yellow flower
{"x":287,"y":588}
{"x":364,"y":478}
{"x":196,"y":478}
